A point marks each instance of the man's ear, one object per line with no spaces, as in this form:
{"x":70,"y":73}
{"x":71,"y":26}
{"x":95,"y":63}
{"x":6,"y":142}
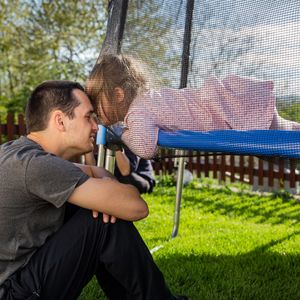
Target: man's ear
{"x":58,"y":118}
{"x":119,"y":94}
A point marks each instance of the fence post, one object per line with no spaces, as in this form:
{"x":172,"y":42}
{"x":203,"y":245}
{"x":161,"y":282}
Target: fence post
{"x":10,"y":126}
{"x":292,"y":173}
{"x":21,"y":125}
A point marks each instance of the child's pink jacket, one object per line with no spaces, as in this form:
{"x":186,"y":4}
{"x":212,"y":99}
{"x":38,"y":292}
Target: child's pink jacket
{"x":232,"y":103}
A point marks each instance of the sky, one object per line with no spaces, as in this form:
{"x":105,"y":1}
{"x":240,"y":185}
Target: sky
{"x":280,"y":49}
{"x":278,"y":23}
{"x":275,"y":24}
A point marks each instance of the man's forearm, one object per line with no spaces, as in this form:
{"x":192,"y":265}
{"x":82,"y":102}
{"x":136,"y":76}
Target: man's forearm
{"x":99,"y":172}
{"x":94,"y":171}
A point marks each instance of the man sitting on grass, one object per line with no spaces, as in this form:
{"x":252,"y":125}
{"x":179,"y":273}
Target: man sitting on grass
{"x":43,"y":253}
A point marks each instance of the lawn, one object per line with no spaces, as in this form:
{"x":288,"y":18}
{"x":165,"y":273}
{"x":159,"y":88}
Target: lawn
{"x":232,"y":243}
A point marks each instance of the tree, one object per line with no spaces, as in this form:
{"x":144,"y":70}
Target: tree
{"x":222,"y":43}
{"x":149,"y":33}
{"x":47,"y":39}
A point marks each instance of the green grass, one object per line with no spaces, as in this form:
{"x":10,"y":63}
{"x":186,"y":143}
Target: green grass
{"x":231,"y":245}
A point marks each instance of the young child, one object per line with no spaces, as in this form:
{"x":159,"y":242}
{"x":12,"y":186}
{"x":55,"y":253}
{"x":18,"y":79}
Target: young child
{"x":130,"y":169}
{"x":118,"y":88}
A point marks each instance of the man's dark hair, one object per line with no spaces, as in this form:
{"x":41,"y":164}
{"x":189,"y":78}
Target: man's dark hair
{"x":48,"y":96}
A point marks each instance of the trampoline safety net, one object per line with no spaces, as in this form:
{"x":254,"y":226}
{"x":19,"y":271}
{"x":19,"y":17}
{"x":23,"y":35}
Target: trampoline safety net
{"x":189,"y":44}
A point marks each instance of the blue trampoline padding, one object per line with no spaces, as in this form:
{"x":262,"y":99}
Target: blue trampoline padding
{"x":101,"y":135}
{"x":253,"y":142}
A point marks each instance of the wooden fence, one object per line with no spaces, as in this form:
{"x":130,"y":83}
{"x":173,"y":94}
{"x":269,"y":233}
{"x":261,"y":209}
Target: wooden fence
{"x":269,"y":174}
{"x":265,"y":175}
{"x":12,"y":128}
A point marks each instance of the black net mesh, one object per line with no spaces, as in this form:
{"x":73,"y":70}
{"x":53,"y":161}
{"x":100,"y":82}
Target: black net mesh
{"x":227,"y":40}
{"x":154,"y":32}
{"x":249,"y":38}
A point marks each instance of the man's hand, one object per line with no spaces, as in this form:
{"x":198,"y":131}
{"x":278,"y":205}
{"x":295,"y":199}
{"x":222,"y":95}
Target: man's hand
{"x":106,"y":218}
{"x":98,"y":172}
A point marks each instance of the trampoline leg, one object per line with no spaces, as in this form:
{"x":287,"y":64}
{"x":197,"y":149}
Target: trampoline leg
{"x":179,"y":186}
{"x":101,"y":156}
{"x":106,"y":157}
{"x":110,"y":161}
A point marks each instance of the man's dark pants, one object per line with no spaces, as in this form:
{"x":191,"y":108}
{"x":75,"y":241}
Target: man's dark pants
{"x":84,"y":247}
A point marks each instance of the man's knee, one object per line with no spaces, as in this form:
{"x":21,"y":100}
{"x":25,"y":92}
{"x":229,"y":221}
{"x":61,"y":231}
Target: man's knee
{"x":84,"y":220}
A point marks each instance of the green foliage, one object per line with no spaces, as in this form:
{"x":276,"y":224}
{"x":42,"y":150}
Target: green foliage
{"x":289,"y":107}
{"x":3,"y":113}
{"x":232,"y":243}
{"x":166,"y":180}
{"x":148,"y":35}
{"x":291,"y":112}
{"x":42,"y":40}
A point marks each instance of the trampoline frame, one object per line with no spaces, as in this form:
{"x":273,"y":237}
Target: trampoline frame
{"x":117,"y":12}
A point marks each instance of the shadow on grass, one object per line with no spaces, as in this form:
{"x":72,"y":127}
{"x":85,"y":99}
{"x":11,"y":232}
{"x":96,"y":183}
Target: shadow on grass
{"x":259,"y":274}
{"x":274,"y":209}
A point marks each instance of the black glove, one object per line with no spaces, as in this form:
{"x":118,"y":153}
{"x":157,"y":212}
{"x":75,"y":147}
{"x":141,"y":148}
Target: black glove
{"x":113,"y":141}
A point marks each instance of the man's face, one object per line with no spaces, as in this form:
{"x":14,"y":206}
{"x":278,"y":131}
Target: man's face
{"x":82,"y":129}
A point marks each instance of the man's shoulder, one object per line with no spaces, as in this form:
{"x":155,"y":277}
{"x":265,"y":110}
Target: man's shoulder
{"x":19,"y":144}
{"x":21,"y":149}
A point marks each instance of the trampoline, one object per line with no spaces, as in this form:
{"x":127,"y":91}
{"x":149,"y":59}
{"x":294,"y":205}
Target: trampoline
{"x":183,"y":42}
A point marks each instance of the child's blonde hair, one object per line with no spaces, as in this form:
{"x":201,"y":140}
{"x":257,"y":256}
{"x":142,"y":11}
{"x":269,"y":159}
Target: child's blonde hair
{"x":117,"y":70}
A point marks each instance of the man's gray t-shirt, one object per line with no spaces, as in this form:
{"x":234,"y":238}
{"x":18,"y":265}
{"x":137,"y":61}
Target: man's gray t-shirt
{"x":34,"y":187}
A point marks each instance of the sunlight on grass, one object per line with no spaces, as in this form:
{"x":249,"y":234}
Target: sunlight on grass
{"x":231,"y":245}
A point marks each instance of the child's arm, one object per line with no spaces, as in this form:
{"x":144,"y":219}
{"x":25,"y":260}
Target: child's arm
{"x":90,"y":159}
{"x":123,"y":163}
{"x":140,"y":135}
